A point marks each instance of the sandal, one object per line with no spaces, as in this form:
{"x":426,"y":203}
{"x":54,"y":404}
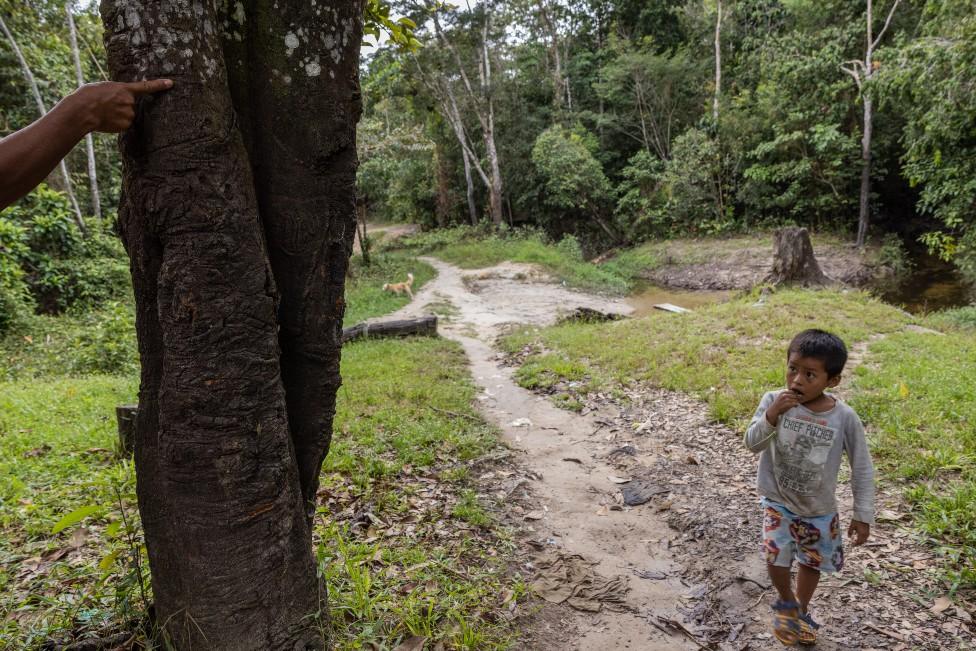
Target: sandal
{"x":786,"y":627}
{"x":808,"y":629}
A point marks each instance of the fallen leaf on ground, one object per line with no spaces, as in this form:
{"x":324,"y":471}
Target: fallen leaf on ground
{"x":940,"y":604}
{"x":617,"y":480}
{"x":414,"y":643}
{"x":78,"y":537}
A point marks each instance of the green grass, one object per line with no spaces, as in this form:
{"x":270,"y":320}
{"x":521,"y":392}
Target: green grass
{"x":727,"y":354}
{"x":915,"y":391}
{"x":960,"y":318}
{"x":432,"y":563}
{"x":475,"y":248}
{"x":918,"y":396}
{"x":404,"y":429}
{"x":365,"y":297}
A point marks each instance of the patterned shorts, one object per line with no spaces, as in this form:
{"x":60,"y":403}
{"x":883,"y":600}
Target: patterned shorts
{"x":815,"y":542}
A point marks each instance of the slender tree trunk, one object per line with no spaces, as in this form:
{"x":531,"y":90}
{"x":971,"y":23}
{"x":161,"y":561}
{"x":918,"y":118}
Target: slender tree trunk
{"x":469,"y":186}
{"x":497,"y":202}
{"x":558,"y":81}
{"x":718,"y":63}
{"x":238,"y":215}
{"x":442,"y":206}
{"x":864,"y":214}
{"x":66,"y":178}
{"x":861,"y":77}
{"x":89,"y":140}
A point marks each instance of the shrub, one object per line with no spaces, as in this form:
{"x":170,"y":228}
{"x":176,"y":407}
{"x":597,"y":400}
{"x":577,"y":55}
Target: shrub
{"x":44,"y":250}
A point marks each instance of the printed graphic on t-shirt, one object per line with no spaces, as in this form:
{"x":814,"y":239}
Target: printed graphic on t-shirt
{"x":802,"y":447}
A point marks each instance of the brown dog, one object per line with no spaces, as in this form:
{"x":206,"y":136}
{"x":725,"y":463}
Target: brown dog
{"x":400,"y":288}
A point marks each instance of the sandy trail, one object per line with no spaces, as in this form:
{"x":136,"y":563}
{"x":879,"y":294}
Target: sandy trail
{"x":565,"y":452}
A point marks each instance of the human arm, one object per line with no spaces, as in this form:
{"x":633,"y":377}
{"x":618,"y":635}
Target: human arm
{"x":28,"y":156}
{"x":862,"y":480}
{"x":761,"y":430}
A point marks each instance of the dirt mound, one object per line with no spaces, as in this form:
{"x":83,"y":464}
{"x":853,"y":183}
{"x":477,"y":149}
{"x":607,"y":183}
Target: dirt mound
{"x":743,"y":268}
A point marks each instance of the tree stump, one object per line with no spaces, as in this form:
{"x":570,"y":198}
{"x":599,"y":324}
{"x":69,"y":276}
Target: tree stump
{"x":126,"y":415}
{"x":793,"y":260}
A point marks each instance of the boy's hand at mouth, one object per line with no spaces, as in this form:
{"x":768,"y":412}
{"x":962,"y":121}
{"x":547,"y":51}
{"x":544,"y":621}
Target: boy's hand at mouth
{"x":785,"y":401}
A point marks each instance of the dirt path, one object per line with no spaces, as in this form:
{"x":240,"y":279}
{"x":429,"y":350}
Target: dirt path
{"x":573,"y":508}
{"x":685,"y":563}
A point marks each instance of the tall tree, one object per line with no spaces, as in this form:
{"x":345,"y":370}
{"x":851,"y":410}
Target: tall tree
{"x":238,"y":216}
{"x":89,"y":140}
{"x":863,"y":73}
{"x":481,"y":100}
{"x":42,"y":109}
{"x":718,"y":60}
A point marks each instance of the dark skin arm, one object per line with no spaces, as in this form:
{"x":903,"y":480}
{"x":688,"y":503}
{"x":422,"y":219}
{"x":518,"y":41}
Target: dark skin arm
{"x":28,"y":156}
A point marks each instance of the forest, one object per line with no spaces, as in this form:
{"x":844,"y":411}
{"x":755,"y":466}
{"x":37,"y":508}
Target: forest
{"x":583,"y":196}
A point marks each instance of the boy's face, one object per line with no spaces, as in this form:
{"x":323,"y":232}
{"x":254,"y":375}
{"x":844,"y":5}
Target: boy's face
{"x":807,"y":377}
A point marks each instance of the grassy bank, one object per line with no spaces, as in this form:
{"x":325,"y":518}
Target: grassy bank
{"x":914,"y":390}
{"x":472,"y":248}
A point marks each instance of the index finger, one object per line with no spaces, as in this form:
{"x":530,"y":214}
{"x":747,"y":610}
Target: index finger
{"x":149,"y":86}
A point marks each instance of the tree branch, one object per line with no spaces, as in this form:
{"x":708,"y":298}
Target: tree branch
{"x":885,"y":28}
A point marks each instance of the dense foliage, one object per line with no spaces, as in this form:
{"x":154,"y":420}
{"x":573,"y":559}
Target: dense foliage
{"x":605,"y":118}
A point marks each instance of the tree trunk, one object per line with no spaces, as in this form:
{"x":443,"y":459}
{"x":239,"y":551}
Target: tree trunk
{"x":864,"y":215}
{"x":442,"y":204}
{"x":488,"y":124}
{"x":793,"y":260}
{"x":238,"y":184}
{"x":469,"y":188}
{"x":65,"y":177}
{"x":718,"y":63}
{"x":96,"y":203}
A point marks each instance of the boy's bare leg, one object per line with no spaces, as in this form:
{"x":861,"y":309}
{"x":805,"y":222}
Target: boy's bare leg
{"x":780,"y":576}
{"x":807,"y":579}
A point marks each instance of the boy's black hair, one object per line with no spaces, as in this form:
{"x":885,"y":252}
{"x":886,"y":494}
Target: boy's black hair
{"x":818,"y":344}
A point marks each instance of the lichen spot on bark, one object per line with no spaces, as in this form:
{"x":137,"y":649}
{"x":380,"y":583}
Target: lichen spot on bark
{"x":291,"y":42}
{"x":313,"y":69}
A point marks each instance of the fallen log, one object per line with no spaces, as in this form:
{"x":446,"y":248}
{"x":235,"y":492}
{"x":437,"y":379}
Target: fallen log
{"x":424,"y":326}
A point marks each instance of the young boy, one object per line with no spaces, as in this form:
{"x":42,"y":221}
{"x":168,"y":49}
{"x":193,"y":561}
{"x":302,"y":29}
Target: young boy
{"x":802,"y":433}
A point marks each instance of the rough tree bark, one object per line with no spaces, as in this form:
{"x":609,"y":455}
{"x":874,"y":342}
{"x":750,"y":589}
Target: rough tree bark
{"x":238,"y":215}
{"x":793,"y":260}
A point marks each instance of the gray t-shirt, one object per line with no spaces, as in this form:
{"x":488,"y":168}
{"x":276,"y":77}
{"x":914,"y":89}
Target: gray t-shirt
{"x":800,"y":458}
